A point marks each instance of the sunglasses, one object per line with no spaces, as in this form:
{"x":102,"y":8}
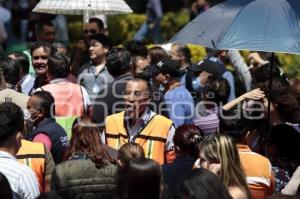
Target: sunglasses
{"x":92,"y":31}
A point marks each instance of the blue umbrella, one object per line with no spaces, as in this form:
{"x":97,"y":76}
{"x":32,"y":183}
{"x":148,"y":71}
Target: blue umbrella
{"x":256,"y":25}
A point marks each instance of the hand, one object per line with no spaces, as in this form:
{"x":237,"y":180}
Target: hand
{"x":215,"y":168}
{"x":255,"y":94}
{"x":256,"y":59}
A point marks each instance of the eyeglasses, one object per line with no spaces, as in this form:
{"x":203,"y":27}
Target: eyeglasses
{"x":92,"y":31}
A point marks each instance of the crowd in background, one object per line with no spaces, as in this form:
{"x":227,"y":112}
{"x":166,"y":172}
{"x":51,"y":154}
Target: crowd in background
{"x":100,"y":121}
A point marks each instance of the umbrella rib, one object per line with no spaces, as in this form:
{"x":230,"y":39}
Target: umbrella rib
{"x":226,"y":30}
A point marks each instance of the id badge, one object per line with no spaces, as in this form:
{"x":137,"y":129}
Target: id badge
{"x":96,"y":88}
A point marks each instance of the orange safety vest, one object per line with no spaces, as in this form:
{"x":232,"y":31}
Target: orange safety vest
{"x":32,"y":154}
{"x":152,"y":137}
{"x":68,"y":98}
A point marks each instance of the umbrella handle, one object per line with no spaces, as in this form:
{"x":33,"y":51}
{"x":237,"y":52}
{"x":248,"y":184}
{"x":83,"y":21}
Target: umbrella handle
{"x":85,"y":16}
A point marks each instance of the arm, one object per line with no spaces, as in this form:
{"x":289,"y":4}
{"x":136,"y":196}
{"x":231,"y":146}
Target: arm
{"x":256,"y":59}
{"x":293,"y":185}
{"x":169,"y":151}
{"x":29,"y":185}
{"x":255,"y":94}
{"x":158,"y":9}
{"x":43,"y":138}
{"x":49,"y":168}
{"x":241,"y":67}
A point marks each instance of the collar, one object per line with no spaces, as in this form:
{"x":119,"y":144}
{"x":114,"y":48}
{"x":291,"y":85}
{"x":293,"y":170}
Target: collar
{"x":58,"y":80}
{"x":11,"y":86}
{"x":45,"y":122}
{"x":125,"y":76}
{"x":243,"y":148}
{"x":144,"y":119}
{"x":93,"y":68}
{"x":4,"y":154}
{"x":24,"y":78}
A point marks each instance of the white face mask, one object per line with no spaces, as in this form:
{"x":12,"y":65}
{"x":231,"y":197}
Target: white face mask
{"x":27,"y":114}
{"x":29,"y":122}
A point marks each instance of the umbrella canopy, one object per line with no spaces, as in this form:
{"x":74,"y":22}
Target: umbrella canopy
{"x":257,"y":25}
{"x":81,"y":7}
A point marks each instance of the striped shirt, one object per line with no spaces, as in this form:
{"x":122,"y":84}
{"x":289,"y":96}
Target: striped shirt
{"x":209,"y":124}
{"x":20,"y":177}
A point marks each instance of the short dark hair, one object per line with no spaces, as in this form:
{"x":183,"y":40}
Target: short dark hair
{"x":118,"y":61}
{"x":47,"y":47}
{"x":156,"y":54}
{"x":98,"y":21}
{"x":286,"y":139}
{"x":40,"y":25}
{"x":137,"y":48}
{"x":46,"y":102}
{"x":57,"y":45}
{"x":58,"y":65}
{"x":103,"y":39}
{"x":11,"y":70}
{"x":185,"y":51}
{"x":262,"y":73}
{"x":217,"y":90}
{"x":201,"y":183}
{"x":23,"y":60}
{"x":234,"y":124}
{"x":11,"y":120}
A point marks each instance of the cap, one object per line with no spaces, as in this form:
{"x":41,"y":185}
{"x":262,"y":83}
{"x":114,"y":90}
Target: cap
{"x":208,"y":66}
{"x":166,"y":66}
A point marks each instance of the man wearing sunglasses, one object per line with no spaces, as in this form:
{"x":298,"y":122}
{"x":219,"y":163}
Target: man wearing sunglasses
{"x":80,"y":57}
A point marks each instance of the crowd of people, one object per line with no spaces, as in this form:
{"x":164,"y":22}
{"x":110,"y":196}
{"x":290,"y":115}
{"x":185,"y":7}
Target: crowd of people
{"x":133,"y":122}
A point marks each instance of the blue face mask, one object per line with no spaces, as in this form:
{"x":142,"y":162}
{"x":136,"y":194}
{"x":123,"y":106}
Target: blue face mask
{"x":197,"y":85}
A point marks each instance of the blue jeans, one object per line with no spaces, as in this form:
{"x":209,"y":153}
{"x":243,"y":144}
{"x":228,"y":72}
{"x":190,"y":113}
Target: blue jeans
{"x":144,"y":30}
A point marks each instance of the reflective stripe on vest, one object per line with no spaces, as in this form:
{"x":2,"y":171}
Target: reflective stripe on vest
{"x":32,"y":154}
{"x":152,"y":138}
{"x":68,"y":98}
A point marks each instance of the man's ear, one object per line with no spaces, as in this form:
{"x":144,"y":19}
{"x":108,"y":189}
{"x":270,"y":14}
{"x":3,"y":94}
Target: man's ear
{"x":168,"y":77}
{"x":106,"y":50}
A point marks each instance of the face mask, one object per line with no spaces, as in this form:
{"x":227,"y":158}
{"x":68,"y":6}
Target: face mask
{"x":196,"y":83}
{"x":29,"y":121}
{"x":27,"y":114}
{"x":162,"y":87}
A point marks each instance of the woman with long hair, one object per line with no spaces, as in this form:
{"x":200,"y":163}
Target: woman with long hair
{"x":142,"y":180}
{"x":203,"y":184}
{"x":87,"y":171}
{"x":128,"y":152}
{"x":219,"y":155}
